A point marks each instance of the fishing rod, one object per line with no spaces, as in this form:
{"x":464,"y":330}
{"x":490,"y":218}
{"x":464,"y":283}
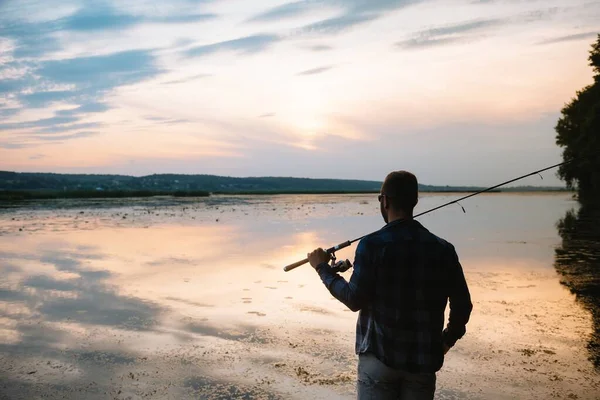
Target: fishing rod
{"x":347,"y":243}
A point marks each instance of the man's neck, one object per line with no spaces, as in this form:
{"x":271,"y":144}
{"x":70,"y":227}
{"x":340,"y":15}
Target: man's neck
{"x":399,"y":215}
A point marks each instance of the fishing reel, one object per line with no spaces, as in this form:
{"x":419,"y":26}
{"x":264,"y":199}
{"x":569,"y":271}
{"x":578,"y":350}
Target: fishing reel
{"x":340,"y":266}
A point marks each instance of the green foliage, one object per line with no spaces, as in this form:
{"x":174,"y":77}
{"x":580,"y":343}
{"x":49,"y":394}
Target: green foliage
{"x":578,"y":262}
{"x":578,"y":131}
{"x":12,"y":195}
{"x":15,"y":185}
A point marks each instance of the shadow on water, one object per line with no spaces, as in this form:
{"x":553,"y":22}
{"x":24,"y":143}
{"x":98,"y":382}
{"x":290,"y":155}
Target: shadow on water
{"x":578,"y":261}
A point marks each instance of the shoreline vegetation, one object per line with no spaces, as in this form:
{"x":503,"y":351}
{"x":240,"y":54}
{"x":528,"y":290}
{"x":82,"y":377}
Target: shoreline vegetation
{"x":17,"y":195}
{"x":15,"y":186}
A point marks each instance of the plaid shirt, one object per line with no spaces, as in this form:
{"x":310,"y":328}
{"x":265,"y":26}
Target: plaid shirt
{"x":402,"y":280}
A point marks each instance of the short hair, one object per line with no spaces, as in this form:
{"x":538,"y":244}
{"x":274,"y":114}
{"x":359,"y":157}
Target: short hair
{"x":402,"y":189}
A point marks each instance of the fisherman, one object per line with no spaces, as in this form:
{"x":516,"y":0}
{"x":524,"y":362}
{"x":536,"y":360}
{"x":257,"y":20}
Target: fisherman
{"x":402,"y":280}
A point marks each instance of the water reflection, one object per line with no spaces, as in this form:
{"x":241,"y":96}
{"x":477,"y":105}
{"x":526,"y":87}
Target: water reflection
{"x":578,"y":261}
{"x":191,"y":301}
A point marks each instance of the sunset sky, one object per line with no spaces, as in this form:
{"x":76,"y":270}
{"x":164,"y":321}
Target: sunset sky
{"x":460,"y":92}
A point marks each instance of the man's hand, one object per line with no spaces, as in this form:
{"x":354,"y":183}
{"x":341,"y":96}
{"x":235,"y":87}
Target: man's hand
{"x":317,"y":257}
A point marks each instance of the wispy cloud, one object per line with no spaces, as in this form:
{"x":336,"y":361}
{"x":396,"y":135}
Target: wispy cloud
{"x":52,"y":138}
{"x":188,"y":79}
{"x":294,"y":9}
{"x":102,"y":72}
{"x":267,"y":115}
{"x":87,"y":78}
{"x":174,"y":121}
{"x":97,"y":18}
{"x":14,"y":146}
{"x":8,"y":112}
{"x":37,"y":156}
{"x":319,"y":47}
{"x":420,"y":43}
{"x":244,"y":45}
{"x":71,"y":127}
{"x":94,"y":18}
{"x":315,"y":71}
{"x":44,"y":122}
{"x":448,"y":34}
{"x":35,"y":39}
{"x":352,"y":13}
{"x":165,"y":120}
{"x":570,"y":38}
{"x":338,"y":24}
{"x":92,"y":107}
{"x":42,"y":99}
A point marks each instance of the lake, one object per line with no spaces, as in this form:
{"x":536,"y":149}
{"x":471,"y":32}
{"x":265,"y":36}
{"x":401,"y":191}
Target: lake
{"x":187,"y":298}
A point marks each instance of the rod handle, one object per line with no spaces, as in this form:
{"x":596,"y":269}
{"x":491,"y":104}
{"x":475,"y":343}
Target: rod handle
{"x":330,"y":251}
{"x":295,"y":265}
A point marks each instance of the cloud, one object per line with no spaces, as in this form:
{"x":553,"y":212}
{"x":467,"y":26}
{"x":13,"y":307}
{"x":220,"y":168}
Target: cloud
{"x":30,"y":40}
{"x":426,"y":42}
{"x":463,"y":27}
{"x":352,"y":13}
{"x":570,"y":38}
{"x":13,"y":146}
{"x":369,"y":6}
{"x":71,"y":136}
{"x":315,"y":71}
{"x":71,"y":127}
{"x":107,"y":18}
{"x":165,"y":120}
{"x":42,"y":99}
{"x":44,"y":282}
{"x":320,"y":47}
{"x":183,"y":19}
{"x":267,"y":115}
{"x":338,"y":24}
{"x":37,"y":156}
{"x":105,"y":71}
{"x":286,"y":10}
{"x":188,"y":79}
{"x":36,"y":39}
{"x":89,"y":77}
{"x":44,"y":122}
{"x":448,"y":34}
{"x":98,"y":18}
{"x":244,"y":45}
{"x":8,"y":112}
{"x":92,"y":107}
{"x":11,"y":85}
{"x":174,"y":121}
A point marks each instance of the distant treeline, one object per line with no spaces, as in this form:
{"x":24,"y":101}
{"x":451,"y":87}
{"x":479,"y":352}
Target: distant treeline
{"x":14,"y":185}
{"x":13,"y":195}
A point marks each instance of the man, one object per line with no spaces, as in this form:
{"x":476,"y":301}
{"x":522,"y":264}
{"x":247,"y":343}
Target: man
{"x":402,"y":280}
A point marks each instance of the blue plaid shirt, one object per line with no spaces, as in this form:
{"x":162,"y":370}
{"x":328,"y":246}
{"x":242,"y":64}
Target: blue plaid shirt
{"x":403,"y":278}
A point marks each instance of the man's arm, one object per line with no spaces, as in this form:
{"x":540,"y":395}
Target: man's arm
{"x":356,"y":293}
{"x":460,"y":302}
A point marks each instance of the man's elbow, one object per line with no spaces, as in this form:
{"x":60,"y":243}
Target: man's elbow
{"x":355,"y":305}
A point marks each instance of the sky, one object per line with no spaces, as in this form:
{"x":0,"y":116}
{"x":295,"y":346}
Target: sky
{"x":459,"y":92}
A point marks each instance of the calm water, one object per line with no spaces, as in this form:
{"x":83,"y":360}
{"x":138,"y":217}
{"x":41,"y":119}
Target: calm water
{"x":188,"y":299}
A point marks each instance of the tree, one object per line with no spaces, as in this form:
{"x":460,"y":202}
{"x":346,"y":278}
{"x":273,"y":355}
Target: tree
{"x":578,"y":131}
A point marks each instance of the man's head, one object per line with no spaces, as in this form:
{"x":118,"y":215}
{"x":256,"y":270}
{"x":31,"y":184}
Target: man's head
{"x":399,"y":195}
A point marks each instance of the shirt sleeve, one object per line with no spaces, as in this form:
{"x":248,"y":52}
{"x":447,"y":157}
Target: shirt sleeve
{"x":460,"y":302}
{"x":358,"y":292}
